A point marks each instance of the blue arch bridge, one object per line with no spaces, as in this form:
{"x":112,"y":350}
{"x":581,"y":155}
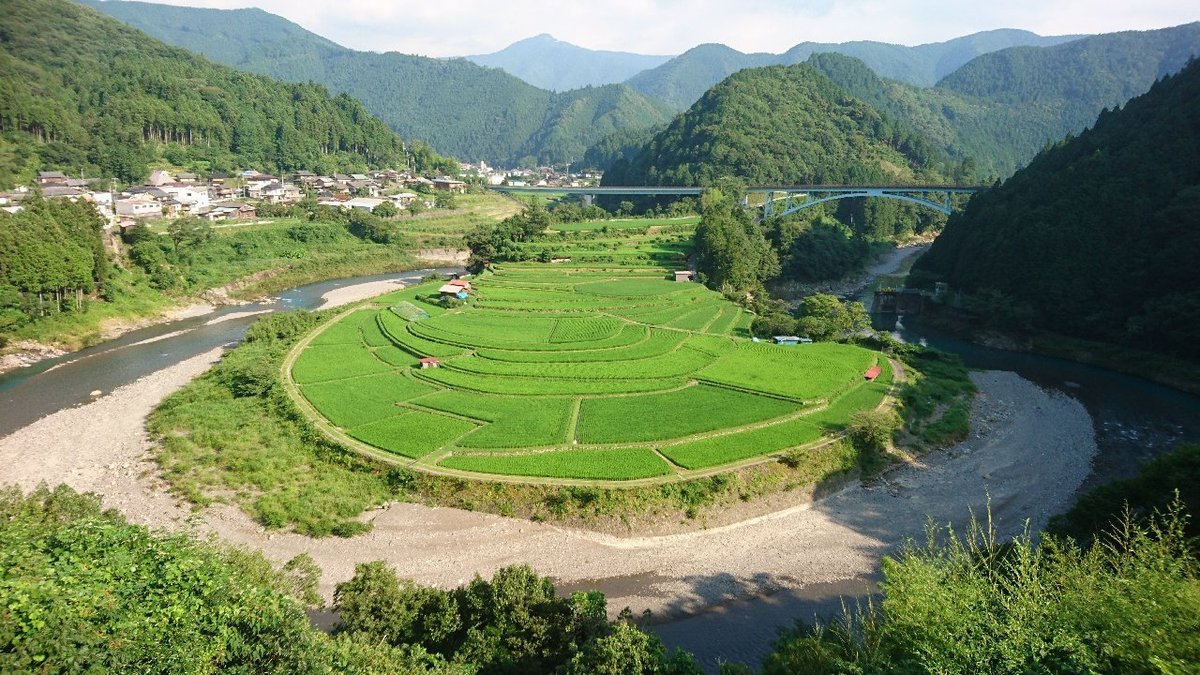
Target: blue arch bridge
{"x":780,"y":200}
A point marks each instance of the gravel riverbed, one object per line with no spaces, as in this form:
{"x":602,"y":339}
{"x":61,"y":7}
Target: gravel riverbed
{"x":1029,"y":451}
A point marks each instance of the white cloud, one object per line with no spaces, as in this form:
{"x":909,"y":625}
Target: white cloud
{"x":673,"y":26}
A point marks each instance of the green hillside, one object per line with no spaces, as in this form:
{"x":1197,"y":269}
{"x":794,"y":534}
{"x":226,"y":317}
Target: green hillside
{"x":1097,"y":237}
{"x":778,"y":125}
{"x":458,"y":107}
{"x":83,"y":93}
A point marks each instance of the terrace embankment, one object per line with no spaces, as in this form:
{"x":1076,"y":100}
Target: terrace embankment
{"x":1030,"y":451}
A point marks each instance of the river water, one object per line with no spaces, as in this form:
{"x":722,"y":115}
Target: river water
{"x":27,"y":394}
{"x":1134,"y":420}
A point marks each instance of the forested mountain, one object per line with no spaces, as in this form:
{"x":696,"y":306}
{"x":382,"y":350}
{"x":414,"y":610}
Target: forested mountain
{"x":683,"y":79}
{"x":558,"y":66}
{"x":1013,"y":102}
{"x":83,"y":93}
{"x":1097,"y":237}
{"x":458,"y":107}
{"x":996,"y":112}
{"x":779,"y":125}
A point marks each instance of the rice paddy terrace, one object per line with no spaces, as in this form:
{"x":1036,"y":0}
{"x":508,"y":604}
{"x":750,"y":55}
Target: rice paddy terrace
{"x":578,"y":375}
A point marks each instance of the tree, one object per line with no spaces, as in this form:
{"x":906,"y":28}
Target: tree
{"x":188,"y":231}
{"x":385,"y":210}
{"x":732,"y":254}
{"x":824,"y":317}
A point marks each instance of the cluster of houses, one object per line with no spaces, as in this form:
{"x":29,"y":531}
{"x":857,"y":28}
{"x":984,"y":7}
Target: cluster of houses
{"x":223,"y":198}
{"x":543,"y":176}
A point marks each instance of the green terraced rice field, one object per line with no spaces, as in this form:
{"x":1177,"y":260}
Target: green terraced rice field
{"x":370,"y":399}
{"x":620,"y":464}
{"x":718,"y":450}
{"x":412,"y":433}
{"x":804,"y":372}
{"x":654,"y":417}
{"x":569,"y":373}
{"x":511,"y":422}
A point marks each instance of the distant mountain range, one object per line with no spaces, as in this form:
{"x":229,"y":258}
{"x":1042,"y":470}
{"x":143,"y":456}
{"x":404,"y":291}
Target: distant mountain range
{"x":458,"y":107}
{"x":683,"y":79}
{"x":558,"y":66}
{"x":987,"y":101}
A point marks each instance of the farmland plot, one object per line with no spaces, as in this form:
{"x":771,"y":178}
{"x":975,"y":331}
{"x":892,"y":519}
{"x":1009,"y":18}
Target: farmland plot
{"x":803,"y":372}
{"x":619,"y":464}
{"x":413,"y":433}
{"x":512,"y":422}
{"x":571,"y":374}
{"x":653,"y":417}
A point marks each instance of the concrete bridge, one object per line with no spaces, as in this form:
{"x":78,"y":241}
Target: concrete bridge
{"x":779,"y":200}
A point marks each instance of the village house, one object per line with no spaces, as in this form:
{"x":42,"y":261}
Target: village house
{"x":402,"y":200}
{"x":141,"y":205}
{"x":192,"y":197}
{"x":51,"y":178}
{"x":229,"y":210}
{"x":364,"y":188}
{"x":448,"y":184}
{"x":363,"y":203}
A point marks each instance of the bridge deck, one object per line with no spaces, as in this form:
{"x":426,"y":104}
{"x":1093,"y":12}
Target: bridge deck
{"x":758,"y":189}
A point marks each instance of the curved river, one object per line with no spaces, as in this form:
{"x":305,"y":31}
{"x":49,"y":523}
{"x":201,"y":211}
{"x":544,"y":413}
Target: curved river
{"x":1134,"y":420}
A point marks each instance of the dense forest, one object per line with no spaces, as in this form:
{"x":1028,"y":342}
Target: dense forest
{"x":85,"y":94}
{"x":1097,"y":237}
{"x":460,"y":108}
{"x":52,"y":260}
{"x":779,"y":125}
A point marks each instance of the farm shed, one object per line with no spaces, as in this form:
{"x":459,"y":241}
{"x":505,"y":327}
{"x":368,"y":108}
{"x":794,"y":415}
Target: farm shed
{"x":872,"y":373}
{"x":453,"y":291}
{"x":430,"y":362}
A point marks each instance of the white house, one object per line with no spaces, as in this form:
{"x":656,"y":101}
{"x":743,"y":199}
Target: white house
{"x":363,"y":203}
{"x":192,"y":197}
{"x":139,"y":206}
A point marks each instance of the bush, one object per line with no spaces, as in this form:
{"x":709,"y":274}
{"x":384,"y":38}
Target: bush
{"x":972,"y":605}
{"x":84,"y":591}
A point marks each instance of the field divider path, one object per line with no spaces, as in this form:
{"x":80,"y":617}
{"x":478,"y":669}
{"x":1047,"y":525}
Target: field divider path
{"x":573,"y":423}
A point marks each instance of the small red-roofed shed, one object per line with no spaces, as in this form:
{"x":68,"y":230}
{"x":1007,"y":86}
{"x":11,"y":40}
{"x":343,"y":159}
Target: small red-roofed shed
{"x":872,"y":373}
{"x":430,"y":362}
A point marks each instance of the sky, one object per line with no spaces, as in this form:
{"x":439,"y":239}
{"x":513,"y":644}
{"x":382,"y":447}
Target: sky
{"x":463,"y":27}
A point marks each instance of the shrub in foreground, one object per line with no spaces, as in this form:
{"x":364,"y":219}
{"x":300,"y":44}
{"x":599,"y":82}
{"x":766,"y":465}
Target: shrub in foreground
{"x":1127,"y":604}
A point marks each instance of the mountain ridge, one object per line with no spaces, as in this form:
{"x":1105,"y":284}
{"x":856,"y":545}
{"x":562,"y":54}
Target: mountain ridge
{"x":683,"y":79}
{"x":458,"y":107}
{"x":558,"y":66}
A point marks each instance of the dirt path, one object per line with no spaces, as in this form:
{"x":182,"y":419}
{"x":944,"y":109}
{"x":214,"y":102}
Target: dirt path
{"x":1030,"y":450}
